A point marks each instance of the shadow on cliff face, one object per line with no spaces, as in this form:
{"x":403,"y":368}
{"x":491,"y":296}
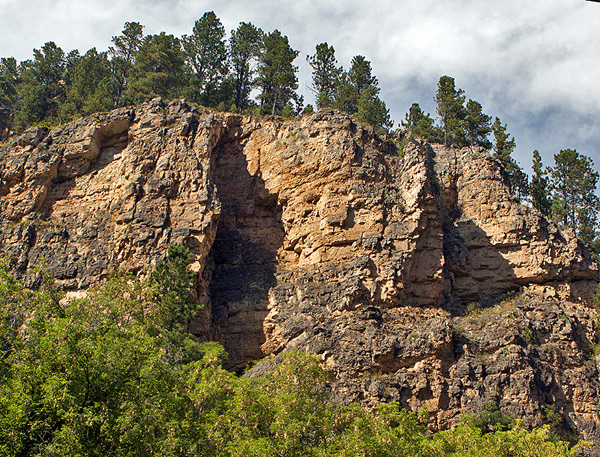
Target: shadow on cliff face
{"x":475,"y":270}
{"x":243,"y":255}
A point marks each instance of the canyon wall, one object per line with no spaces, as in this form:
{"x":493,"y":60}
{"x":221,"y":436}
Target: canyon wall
{"x":408,"y":268}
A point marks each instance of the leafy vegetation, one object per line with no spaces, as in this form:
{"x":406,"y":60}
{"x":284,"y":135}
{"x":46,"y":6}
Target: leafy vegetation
{"x":116,"y":373}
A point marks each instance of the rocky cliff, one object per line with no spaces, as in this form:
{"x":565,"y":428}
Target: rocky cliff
{"x":390,"y":258}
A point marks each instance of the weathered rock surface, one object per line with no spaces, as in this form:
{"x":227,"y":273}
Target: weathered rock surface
{"x":315,"y":234}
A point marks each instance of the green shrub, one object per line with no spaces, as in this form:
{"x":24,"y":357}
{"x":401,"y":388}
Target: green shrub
{"x":109,"y":375}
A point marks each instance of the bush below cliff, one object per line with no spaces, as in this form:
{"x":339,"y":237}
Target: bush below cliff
{"x":104,"y":376}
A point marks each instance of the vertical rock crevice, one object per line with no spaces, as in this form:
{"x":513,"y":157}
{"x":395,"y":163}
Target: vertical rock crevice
{"x":243,"y":257}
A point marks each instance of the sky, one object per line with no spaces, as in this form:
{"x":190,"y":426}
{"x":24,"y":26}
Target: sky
{"x":535,"y":64}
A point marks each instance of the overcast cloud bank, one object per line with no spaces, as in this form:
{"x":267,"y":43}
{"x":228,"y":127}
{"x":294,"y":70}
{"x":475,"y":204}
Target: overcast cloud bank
{"x":536,"y":65}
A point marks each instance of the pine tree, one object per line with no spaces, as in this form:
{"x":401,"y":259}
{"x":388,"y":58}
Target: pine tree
{"x":173,"y":282}
{"x":574,"y":182}
{"x":158,"y":69}
{"x":245,"y":47}
{"x":123,"y":54}
{"x":477,"y":125}
{"x":9,"y":77}
{"x":539,"y":187}
{"x":450,"y":107}
{"x":361,"y":75}
{"x":372,"y":110}
{"x":504,"y":146}
{"x":277,"y":75}
{"x":421,"y":124}
{"x":206,"y":57}
{"x":326,"y":74}
{"x":357,"y":93}
{"x":93,"y":87}
{"x":128,"y":43}
{"x":42,"y":88}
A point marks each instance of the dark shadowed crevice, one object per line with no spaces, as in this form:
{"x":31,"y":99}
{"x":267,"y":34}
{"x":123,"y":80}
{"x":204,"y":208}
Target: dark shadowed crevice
{"x":114,"y":138}
{"x":243,"y":255}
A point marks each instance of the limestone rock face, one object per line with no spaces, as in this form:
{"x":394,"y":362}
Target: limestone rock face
{"x":316,"y":234}
{"x":494,"y":244}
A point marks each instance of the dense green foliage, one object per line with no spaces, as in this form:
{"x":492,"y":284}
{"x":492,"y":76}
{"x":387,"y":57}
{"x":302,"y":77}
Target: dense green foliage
{"x":111,"y":374}
{"x":158,"y":70}
{"x":173,"y":284}
{"x":92,"y":87}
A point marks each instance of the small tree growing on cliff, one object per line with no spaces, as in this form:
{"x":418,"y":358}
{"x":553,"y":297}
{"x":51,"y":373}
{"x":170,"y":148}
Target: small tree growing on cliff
{"x":504,"y":146}
{"x":477,"y":125}
{"x":421,"y":124}
{"x":357,"y":93}
{"x":539,"y":187}
{"x":173,"y":289}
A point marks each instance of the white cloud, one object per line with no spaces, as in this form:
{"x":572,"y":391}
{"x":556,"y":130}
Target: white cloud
{"x":535,"y":64}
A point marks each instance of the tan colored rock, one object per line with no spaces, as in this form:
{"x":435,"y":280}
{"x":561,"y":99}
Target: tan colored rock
{"x":314,"y":234}
{"x":496,"y":244}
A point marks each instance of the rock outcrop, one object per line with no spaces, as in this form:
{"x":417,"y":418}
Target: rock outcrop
{"x":317,"y":234}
